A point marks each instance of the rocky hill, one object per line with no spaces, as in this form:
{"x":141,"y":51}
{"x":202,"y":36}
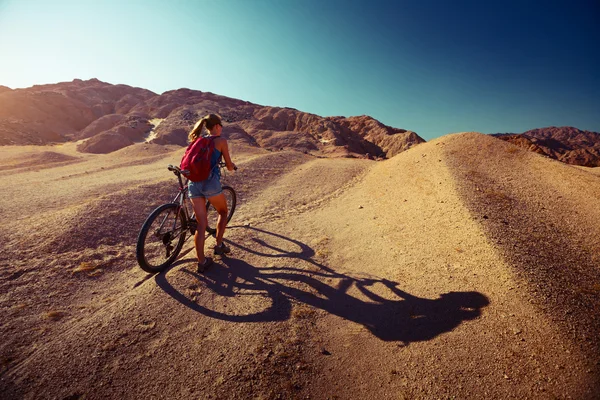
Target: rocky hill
{"x":44,"y":114}
{"x":108,"y":117}
{"x":567,"y":144}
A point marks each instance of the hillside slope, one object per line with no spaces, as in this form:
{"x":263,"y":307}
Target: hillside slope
{"x":541,"y":215}
{"x":348,"y":278}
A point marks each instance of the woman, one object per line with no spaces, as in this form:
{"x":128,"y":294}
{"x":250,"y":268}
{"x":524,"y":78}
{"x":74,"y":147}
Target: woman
{"x":210,"y":189}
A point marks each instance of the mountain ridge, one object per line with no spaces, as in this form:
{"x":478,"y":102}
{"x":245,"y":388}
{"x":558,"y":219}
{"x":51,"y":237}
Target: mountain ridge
{"x":104,"y":117}
{"x":566,"y":144}
{"x":108,"y":117}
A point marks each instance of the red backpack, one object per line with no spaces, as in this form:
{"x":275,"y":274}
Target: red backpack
{"x":195,"y":164}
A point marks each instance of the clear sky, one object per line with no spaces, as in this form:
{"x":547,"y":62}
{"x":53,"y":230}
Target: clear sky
{"x":434,"y":67}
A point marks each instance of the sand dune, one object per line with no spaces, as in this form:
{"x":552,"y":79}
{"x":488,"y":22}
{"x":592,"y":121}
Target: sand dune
{"x":464,"y":267}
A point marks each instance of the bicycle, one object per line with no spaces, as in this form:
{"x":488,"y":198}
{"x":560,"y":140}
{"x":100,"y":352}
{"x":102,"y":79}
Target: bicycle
{"x":164,"y":232}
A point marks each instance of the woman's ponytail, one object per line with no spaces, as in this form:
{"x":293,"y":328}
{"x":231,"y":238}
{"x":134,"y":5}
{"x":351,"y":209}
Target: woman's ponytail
{"x":197,"y":130}
{"x":209,"y":122}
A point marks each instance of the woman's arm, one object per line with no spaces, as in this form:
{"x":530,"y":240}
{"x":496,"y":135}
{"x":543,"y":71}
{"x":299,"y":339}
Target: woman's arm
{"x":224,"y":149}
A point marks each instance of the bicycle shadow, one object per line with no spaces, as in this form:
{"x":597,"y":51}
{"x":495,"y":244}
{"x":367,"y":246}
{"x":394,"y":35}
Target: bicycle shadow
{"x":379,"y":305}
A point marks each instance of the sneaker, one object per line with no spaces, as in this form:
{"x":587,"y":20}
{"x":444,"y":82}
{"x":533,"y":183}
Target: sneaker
{"x":222,"y":249}
{"x":202,"y":266}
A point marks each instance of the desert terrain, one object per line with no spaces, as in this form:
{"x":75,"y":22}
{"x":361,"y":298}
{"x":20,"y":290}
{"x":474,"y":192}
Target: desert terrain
{"x":464,"y":267}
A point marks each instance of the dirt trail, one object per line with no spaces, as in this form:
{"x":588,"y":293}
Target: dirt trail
{"x":347,"y":279}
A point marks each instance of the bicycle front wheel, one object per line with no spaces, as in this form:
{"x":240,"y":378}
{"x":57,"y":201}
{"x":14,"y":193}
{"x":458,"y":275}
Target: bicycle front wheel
{"x":161,"y":238}
{"x":213,"y":215}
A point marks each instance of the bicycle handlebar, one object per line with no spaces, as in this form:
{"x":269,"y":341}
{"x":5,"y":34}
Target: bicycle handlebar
{"x":178,"y":171}
{"x":223,"y":165}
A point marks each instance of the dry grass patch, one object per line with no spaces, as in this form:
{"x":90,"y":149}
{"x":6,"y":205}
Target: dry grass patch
{"x":85,"y":267}
{"x":593,"y":290}
{"x":5,"y":364}
{"x":146,"y":326}
{"x":303,"y":312}
{"x":320,"y":247}
{"x":54,"y":315}
{"x":89,"y":268}
{"x":496,"y":195}
{"x":95,"y":273}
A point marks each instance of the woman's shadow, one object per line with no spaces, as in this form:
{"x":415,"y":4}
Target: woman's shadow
{"x":399,"y":316}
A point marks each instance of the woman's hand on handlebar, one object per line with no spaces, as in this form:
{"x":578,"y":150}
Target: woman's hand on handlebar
{"x":230,"y":167}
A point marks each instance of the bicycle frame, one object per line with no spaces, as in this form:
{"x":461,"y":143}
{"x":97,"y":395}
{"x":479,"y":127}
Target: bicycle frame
{"x":183,"y":200}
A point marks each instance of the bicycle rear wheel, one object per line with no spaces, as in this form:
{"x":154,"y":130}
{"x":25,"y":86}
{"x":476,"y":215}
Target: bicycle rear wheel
{"x":212,"y":214}
{"x":161,"y":238}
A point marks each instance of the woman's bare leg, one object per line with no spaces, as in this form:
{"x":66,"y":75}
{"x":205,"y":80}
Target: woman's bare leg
{"x":199,"y":204}
{"x":220,"y":204}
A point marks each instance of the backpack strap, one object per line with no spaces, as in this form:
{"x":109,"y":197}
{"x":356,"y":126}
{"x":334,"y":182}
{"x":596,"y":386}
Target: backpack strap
{"x":212,"y":138}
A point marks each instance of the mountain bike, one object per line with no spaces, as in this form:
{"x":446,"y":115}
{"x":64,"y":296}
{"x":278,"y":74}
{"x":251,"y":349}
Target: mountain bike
{"x":164,"y":232}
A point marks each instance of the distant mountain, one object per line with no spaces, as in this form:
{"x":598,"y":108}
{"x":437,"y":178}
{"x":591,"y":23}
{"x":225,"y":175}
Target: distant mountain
{"x":59,"y":112}
{"x":567,"y":144}
{"x":108,"y":117}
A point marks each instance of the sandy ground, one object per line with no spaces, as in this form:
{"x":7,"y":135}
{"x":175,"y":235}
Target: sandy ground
{"x":462,"y":268}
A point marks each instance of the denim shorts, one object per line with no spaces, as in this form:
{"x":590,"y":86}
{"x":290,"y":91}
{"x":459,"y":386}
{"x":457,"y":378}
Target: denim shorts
{"x":208,"y":188}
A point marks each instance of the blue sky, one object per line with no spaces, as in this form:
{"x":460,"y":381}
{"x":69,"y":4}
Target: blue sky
{"x":434,"y":67}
